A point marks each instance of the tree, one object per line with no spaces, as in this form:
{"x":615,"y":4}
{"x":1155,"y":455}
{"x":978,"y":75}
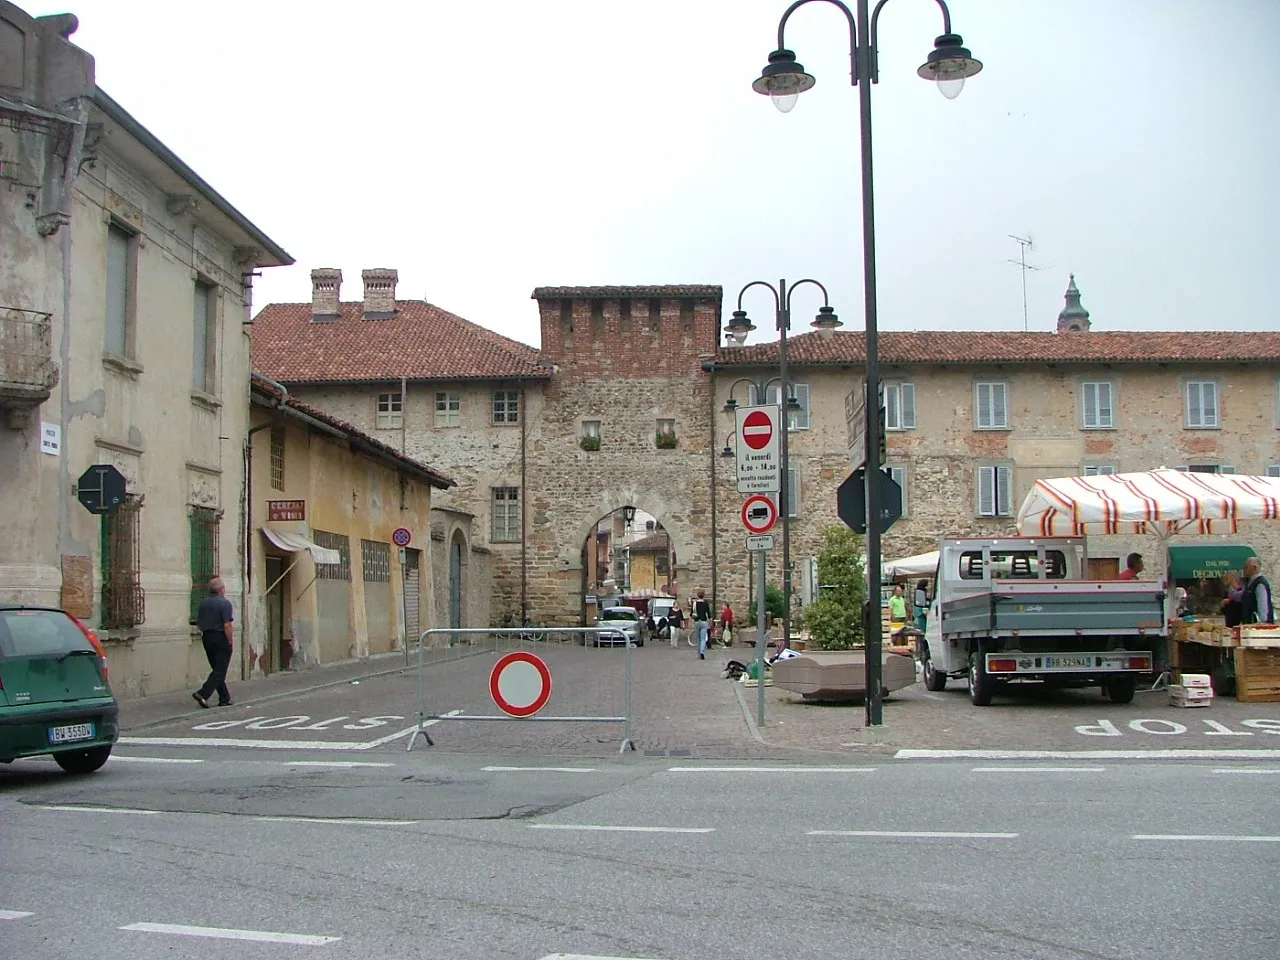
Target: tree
{"x":834,"y":619}
{"x":775,"y":605}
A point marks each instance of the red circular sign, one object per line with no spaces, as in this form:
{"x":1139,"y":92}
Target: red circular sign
{"x":401,"y":537}
{"x":520,"y":684}
{"x":759,"y":514}
{"x":757,"y":429}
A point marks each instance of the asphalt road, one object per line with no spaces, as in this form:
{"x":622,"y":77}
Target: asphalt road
{"x":450,"y":857}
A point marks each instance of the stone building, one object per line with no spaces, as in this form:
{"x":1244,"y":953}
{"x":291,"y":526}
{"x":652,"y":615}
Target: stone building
{"x":623,"y":406}
{"x":124,"y":290}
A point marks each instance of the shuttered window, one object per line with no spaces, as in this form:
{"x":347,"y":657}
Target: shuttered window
{"x":204,"y":552}
{"x":899,"y":475}
{"x":900,"y":406}
{"x":1096,"y":400}
{"x":993,"y":410}
{"x":995,"y":492}
{"x":119,"y":260}
{"x":123,"y":603}
{"x":1202,"y":405}
{"x":204,"y":337}
{"x":797,"y":419}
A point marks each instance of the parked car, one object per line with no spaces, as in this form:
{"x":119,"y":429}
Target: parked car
{"x":55,"y":697}
{"x":630,"y":627}
{"x":660,"y":613}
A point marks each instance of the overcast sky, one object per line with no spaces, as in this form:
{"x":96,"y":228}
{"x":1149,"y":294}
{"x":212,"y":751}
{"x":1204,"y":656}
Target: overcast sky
{"x":485,"y":148}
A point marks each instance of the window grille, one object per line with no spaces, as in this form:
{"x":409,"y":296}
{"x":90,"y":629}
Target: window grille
{"x":123,"y":602}
{"x":506,"y":514}
{"x":334,"y":571}
{"x":277,"y":458}
{"x":204,"y":553}
{"x":375,"y":557}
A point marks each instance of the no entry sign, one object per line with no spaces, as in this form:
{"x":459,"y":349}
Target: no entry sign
{"x":759,"y":460}
{"x":757,"y":429}
{"x":759,"y":514}
{"x":520,"y":684}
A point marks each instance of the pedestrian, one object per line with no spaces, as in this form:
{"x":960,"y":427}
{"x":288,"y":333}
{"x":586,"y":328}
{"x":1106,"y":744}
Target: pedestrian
{"x":726,"y":624}
{"x":675,"y":623}
{"x":1256,"y":603}
{"x":702,"y":622}
{"x":922,"y":604}
{"x":1133,"y":566}
{"x":897,"y":610}
{"x":215,"y":616}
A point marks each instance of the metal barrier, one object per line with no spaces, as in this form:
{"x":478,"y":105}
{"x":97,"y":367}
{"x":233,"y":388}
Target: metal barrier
{"x":468,"y":642}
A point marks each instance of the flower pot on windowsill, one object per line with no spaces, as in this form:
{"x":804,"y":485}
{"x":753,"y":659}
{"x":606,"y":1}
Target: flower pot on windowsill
{"x":665,"y":441}
{"x":589,"y":444}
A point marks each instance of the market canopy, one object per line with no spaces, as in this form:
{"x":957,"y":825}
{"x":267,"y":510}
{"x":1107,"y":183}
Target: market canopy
{"x":921,"y":565}
{"x":1208,"y":562}
{"x":1163,"y":502}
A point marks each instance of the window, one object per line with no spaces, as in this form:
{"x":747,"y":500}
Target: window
{"x":995,"y":494}
{"x":506,"y":514}
{"x":666,"y":427}
{"x":1013,"y":565}
{"x":123,"y":602}
{"x":448,"y":409}
{"x":655,"y":313}
{"x":1098,"y":470}
{"x":1273,"y":470}
{"x":1202,"y":405}
{"x":121,"y":267}
{"x":899,"y":475}
{"x":204,"y":553}
{"x":1207,"y":468}
{"x":591,"y":428}
{"x":334,"y":541}
{"x":390,"y":410}
{"x":686,"y":314}
{"x":900,"y":406}
{"x":793,"y":492}
{"x":797,"y":419}
{"x":277,"y":458}
{"x":506,"y":406}
{"x":1096,"y":412}
{"x":375,"y":558}
{"x":993,"y":411}
{"x":204,"y":338}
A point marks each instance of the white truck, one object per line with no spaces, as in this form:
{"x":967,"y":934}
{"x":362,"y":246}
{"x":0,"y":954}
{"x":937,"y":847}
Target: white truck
{"x":1019,"y":609}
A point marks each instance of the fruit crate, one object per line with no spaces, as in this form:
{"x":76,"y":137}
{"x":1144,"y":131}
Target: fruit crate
{"x":1257,"y":675}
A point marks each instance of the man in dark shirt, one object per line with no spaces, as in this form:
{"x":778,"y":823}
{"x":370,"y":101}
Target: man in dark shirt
{"x":214,"y":618}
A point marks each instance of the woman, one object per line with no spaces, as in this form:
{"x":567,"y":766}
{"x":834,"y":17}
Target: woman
{"x":675,"y":621}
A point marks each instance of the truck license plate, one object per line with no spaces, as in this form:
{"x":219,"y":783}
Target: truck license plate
{"x":1068,"y":662}
{"x":74,"y":731}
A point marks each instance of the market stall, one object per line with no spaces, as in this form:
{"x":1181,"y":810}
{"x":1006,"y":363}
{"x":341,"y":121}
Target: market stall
{"x":1165,"y":504}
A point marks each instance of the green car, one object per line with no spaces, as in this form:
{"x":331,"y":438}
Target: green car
{"x":54,"y":695}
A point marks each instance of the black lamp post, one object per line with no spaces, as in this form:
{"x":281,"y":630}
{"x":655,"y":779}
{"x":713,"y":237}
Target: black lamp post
{"x":737,"y":329}
{"x":783,"y":79}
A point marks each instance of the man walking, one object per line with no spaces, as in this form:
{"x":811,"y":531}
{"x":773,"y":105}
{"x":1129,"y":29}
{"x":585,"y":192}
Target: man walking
{"x":214,"y":617}
{"x":702,"y":620}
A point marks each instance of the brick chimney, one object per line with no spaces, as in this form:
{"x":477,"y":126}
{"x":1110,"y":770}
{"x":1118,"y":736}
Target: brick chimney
{"x":379,"y":293}
{"x":326,"y":285}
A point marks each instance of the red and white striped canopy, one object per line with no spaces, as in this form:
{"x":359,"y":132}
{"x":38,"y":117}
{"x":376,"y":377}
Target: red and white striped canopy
{"x":1163,"y":502}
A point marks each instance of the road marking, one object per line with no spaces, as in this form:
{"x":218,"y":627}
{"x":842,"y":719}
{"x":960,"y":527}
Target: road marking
{"x":1242,"y":770}
{"x":273,"y":744}
{"x":341,"y":820}
{"x":771,"y":769}
{"x":341,"y":764}
{"x":14,"y":914}
{"x":1204,"y":836}
{"x":919,"y":834}
{"x":118,"y":759}
{"x":222,"y":933}
{"x":584,"y":956}
{"x":538,"y":769}
{"x":1038,"y":769}
{"x":1260,"y":754}
{"x":69,"y":809}
{"x":610,"y":829}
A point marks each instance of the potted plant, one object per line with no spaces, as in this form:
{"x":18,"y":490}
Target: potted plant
{"x":589,"y":443}
{"x":665,"y":441}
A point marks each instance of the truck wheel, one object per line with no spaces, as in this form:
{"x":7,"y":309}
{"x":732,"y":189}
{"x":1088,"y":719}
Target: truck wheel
{"x":1121,"y":689}
{"x":933,"y":680}
{"x":981,"y":687}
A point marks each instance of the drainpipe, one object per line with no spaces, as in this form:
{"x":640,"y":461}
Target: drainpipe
{"x":248,"y":474}
{"x":524,"y":496}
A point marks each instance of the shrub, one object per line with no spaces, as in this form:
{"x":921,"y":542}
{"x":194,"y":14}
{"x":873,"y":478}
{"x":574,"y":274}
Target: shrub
{"x":775,"y":604}
{"x":589,"y":443}
{"x":665,"y":441}
{"x":834,"y":618}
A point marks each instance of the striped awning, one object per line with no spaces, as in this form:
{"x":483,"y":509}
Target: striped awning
{"x":296,"y":543}
{"x":1163,"y":502}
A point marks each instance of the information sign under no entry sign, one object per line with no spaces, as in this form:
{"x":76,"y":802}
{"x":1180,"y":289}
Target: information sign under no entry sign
{"x":759,"y":459}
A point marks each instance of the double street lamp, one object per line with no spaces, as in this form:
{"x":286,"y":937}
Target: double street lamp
{"x":784,"y":79}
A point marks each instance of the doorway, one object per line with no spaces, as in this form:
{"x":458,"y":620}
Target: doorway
{"x":412,"y":593}
{"x":455,"y":582}
{"x":279,"y":652}
{"x":1104,"y":568}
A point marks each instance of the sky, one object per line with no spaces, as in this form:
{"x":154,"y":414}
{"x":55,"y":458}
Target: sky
{"x":486,"y":148}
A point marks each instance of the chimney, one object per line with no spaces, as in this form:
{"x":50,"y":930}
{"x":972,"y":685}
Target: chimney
{"x":380,"y":293}
{"x":326,"y":285}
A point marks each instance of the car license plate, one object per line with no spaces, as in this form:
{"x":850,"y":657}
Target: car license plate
{"x":1068,"y":662}
{"x":74,"y":731}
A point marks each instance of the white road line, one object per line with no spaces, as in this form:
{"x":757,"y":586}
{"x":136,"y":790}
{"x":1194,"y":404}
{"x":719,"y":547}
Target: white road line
{"x":69,"y":809}
{"x":538,"y":769}
{"x":273,"y":744}
{"x":1260,"y":754}
{"x":14,"y":914}
{"x":923,"y":834}
{"x":341,"y":764}
{"x":1203,"y":836}
{"x":1038,"y":769}
{"x":119,"y":759}
{"x":340,"y":820}
{"x":610,"y":829}
{"x":222,"y":933}
{"x":1244,"y":770}
{"x":583,"y":956}
{"x":771,"y":769}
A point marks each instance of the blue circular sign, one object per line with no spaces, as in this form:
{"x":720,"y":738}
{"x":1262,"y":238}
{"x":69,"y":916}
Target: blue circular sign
{"x":402,"y":537}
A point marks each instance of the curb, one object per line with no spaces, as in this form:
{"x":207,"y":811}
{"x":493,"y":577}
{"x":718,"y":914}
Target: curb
{"x":756,"y":735}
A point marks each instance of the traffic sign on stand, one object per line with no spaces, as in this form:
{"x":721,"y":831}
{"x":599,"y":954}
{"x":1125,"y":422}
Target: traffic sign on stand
{"x":402,"y":537}
{"x":760,"y":542}
{"x":101,"y":488}
{"x":520,"y":684}
{"x":759,"y":457}
{"x":851,"y":500}
{"x":759,"y":514}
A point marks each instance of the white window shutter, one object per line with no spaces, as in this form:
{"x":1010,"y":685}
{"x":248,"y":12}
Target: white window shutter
{"x":1004,"y":495}
{"x":1194,"y":411}
{"x":908,"y":403}
{"x":1091,"y":405}
{"x":793,"y":492}
{"x":800,"y":419}
{"x":1209,"y":401}
{"x":986,"y":492}
{"x":1105,"y":416}
{"x":999,"y":409}
{"x":892,"y":409}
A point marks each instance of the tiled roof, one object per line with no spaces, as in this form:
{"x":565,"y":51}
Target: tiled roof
{"x":421,"y":342}
{"x":360,"y":441}
{"x":612,"y":293}
{"x":654,"y":543}
{"x":946,"y":346}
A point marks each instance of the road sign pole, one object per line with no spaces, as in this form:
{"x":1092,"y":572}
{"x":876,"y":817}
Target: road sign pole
{"x":760,"y":637}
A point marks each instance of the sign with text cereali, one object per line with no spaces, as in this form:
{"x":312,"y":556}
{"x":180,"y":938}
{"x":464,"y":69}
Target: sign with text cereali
{"x":286,"y":510}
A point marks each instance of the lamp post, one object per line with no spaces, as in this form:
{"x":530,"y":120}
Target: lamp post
{"x":783,"y":79}
{"x":825,"y":323}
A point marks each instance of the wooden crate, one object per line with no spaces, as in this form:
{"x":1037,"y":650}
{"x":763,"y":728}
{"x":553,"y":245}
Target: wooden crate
{"x":1257,"y":675}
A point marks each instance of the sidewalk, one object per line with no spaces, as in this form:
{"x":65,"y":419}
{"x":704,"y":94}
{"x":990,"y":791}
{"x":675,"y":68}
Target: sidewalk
{"x":165,"y":707}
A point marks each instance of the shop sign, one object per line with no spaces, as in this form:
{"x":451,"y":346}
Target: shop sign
{"x":278,"y":510}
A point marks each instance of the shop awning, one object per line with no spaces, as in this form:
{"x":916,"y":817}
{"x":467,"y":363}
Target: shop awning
{"x":1207,"y":562}
{"x":921,"y":565}
{"x":296,"y":543}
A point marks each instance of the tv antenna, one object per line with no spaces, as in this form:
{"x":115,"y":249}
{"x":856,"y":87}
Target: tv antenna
{"x":1024,"y":244}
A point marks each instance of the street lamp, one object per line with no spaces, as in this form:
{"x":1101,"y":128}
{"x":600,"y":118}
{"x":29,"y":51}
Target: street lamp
{"x":784,"y":79}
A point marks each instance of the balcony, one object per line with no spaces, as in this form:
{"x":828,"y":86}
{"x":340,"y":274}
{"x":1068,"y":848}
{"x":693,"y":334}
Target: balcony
{"x":27,"y":371}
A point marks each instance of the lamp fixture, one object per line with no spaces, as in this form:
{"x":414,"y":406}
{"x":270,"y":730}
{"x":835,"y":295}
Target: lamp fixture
{"x":826,"y":322}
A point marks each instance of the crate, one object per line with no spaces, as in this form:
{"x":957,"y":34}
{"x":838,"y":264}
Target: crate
{"x":1257,"y":675}
{"x":1258,"y":636}
{"x":1176,"y":701}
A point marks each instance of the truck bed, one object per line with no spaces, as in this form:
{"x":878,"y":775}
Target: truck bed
{"x":1058,"y":608}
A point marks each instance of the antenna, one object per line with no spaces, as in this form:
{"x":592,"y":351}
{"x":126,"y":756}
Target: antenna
{"x":1024,"y":244}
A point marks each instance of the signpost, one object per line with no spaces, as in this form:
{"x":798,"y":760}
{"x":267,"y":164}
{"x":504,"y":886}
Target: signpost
{"x":855,"y":414}
{"x":851,"y":502}
{"x":759,"y":458}
{"x":101,"y":488}
{"x":520,"y":684}
{"x":759,"y":514}
{"x":401,"y":537}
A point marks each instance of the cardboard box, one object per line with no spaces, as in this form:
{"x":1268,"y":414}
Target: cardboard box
{"x":1191,"y":693}
{"x":1197,"y":680}
{"x":1175,"y":701}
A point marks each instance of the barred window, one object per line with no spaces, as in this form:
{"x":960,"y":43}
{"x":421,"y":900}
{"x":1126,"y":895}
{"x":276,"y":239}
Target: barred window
{"x":204,"y":553}
{"x":123,"y":603}
{"x":277,"y":458}
{"x":375,"y":557}
{"x":334,"y":571}
{"x":506,"y":514}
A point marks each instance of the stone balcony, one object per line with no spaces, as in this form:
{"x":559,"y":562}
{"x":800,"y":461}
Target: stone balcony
{"x":27,"y":371}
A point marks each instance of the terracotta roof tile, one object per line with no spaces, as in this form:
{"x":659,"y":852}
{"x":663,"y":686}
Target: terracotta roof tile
{"x":654,"y":543}
{"x":421,"y":342}
{"x":946,"y":346}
